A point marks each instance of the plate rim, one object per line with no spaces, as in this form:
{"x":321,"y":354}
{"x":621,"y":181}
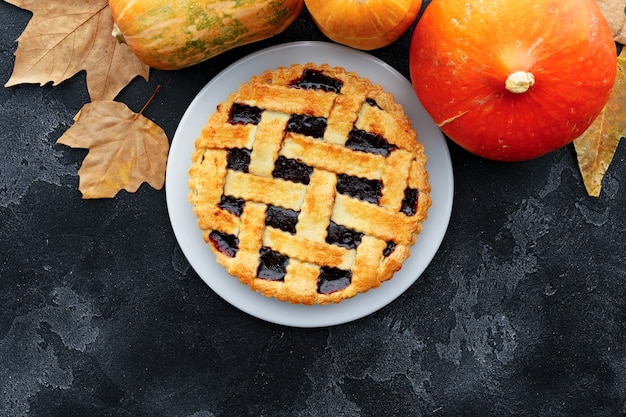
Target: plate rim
{"x":171,"y":187}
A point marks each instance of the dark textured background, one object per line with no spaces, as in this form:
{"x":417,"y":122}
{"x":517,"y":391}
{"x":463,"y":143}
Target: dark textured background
{"x":521,"y":313}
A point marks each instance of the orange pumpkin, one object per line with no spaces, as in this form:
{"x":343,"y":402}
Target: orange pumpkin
{"x":364,"y":24}
{"x":170,"y":35}
{"x":512,"y":80}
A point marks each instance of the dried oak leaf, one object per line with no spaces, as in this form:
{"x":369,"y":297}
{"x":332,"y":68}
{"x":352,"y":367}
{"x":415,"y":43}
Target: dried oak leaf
{"x":596,"y":147}
{"x":615,"y":14}
{"x":125,"y":149}
{"x":64,"y":37}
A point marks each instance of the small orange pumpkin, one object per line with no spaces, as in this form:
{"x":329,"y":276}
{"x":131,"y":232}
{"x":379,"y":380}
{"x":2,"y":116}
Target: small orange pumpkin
{"x":512,"y":80}
{"x":364,"y":24}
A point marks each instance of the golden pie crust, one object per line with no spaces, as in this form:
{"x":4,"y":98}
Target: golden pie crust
{"x":309,"y":184}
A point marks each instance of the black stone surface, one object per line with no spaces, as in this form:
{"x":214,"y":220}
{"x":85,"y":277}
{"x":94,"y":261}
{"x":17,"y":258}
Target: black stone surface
{"x":521,"y":313}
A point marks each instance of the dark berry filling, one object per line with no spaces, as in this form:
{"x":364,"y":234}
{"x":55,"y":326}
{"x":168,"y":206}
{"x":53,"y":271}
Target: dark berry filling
{"x":391,"y":246}
{"x":280,"y":218}
{"x":316,"y":80}
{"x":361,"y":188}
{"x":307,"y":125}
{"x":409,"y":204}
{"x":272,"y":265}
{"x":241,"y":114}
{"x":360,"y":140}
{"x":232,"y":204}
{"x":333,"y":279}
{"x":292,"y":170}
{"x":238,"y":159}
{"x":342,"y":236}
{"x":225,"y":243}
{"x":372,"y":103}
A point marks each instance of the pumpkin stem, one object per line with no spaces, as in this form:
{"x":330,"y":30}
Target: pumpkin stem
{"x":117,"y":34}
{"x":519,"y":82}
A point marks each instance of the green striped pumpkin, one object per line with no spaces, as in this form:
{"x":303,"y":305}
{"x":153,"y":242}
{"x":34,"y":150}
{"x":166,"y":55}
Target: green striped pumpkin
{"x":170,"y":35}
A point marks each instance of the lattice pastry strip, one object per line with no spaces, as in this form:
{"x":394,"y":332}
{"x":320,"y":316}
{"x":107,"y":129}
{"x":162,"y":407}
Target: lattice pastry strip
{"x":380,"y":222}
{"x":309,"y":184}
{"x":332,"y":157}
{"x":267,"y":143}
{"x":345,"y":111}
{"x":266,"y":190}
{"x":374,"y":120}
{"x":269,"y":97}
{"x":317,"y":206}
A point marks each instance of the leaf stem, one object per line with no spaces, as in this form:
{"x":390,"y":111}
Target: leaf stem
{"x":154,"y":93}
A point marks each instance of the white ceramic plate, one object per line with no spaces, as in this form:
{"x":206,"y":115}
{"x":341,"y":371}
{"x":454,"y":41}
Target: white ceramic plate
{"x":184,"y":221}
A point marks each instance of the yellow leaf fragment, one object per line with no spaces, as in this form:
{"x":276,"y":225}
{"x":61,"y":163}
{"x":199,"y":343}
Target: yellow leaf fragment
{"x":596,"y":147}
{"x":67,"y":36}
{"x":125,"y":149}
{"x":614,"y":13}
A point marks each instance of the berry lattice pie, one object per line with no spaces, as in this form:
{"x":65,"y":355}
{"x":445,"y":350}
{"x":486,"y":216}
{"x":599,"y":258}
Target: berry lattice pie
{"x":309,"y":184}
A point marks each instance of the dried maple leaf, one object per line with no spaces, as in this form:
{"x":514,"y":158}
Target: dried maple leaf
{"x":67,"y":36}
{"x":615,"y":14}
{"x":125,"y":149}
{"x":614,"y":11}
{"x":596,"y":147}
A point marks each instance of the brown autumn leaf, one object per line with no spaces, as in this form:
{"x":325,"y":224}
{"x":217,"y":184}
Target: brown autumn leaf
{"x":596,"y":147}
{"x":125,"y":149}
{"x":615,"y":14}
{"x":64,"y":37}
